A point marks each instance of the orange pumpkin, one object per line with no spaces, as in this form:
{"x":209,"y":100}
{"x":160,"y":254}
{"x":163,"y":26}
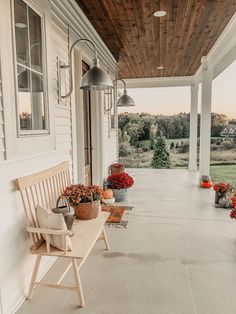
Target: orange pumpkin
{"x":206,"y":184}
{"x":107,"y":194}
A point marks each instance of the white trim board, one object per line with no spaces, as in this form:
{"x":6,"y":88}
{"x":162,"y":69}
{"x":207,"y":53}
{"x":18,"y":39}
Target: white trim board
{"x":158,"y":82}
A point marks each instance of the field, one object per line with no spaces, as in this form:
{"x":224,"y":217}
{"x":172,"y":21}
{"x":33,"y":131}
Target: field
{"x":223,"y":157}
{"x":224,"y":173}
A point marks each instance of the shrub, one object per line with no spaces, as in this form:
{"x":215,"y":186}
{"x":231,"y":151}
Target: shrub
{"x":183,"y":148}
{"x":124,"y":149}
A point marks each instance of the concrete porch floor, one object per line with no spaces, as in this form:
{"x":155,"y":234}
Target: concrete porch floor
{"x":178,"y":256}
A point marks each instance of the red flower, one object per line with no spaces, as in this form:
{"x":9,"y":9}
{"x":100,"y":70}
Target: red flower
{"x":120,"y":181}
{"x":221,"y":187}
{"x":79,"y":193}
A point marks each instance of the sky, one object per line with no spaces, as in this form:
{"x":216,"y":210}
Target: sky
{"x":173,"y":100}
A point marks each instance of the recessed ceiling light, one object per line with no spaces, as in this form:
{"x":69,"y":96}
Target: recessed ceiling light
{"x":21,"y":25}
{"x":160,"y":67}
{"x":159,"y":13}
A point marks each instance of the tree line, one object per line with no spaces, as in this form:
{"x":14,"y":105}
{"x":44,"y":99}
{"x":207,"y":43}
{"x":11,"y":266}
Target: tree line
{"x":143,"y":126}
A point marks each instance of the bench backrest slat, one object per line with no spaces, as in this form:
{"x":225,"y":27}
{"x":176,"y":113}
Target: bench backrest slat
{"x":42,"y":188}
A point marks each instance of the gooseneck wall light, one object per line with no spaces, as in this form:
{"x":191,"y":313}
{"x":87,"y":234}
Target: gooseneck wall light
{"x":94,"y":79}
{"x":125,"y":100}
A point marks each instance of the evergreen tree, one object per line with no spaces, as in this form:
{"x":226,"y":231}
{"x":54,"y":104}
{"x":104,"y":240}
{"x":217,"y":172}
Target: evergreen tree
{"x":161,"y":156}
{"x":172,"y":145}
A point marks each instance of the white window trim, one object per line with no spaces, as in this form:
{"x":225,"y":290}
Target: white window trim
{"x":23,"y":133}
{"x":31,"y":145}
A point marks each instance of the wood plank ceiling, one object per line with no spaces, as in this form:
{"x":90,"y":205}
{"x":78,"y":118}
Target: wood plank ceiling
{"x":141,"y":42}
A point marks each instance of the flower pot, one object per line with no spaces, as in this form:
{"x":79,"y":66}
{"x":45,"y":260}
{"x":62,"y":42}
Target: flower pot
{"x":218,"y":195}
{"x":120,"y":195}
{"x":87,"y":211}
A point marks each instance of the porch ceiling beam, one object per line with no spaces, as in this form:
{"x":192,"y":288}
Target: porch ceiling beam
{"x":159,"y":82}
{"x":223,"y":53}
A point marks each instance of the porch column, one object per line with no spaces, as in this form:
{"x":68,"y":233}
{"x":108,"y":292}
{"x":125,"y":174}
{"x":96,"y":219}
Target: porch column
{"x":205,"y":130}
{"x":193,"y":127}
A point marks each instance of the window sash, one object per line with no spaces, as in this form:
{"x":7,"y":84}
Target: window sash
{"x":31,"y":132}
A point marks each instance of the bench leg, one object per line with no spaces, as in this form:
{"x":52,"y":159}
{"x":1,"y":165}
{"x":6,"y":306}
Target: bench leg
{"x":104,"y":235}
{"x":78,"y":282}
{"x":34,"y":276}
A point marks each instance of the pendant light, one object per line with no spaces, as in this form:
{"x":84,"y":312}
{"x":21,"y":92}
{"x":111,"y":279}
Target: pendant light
{"x":125,"y":100}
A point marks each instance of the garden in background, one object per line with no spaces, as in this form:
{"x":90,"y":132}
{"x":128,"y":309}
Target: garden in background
{"x":157,"y":141}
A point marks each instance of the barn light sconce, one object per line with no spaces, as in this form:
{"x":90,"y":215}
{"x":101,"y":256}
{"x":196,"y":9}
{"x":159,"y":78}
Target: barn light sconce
{"x":94,"y":79}
{"x":125,"y":100}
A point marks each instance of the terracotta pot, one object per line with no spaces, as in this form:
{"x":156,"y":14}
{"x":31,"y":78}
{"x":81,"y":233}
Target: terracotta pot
{"x":87,"y":211}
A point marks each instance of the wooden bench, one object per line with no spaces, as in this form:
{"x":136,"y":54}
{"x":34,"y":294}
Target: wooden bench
{"x":43,"y":189}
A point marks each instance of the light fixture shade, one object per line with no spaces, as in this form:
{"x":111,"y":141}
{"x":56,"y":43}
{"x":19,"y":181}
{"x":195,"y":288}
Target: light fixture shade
{"x":125,"y":101}
{"x":96,"y":79}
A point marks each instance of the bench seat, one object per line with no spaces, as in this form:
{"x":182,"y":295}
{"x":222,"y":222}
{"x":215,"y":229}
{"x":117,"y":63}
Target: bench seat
{"x":86,"y":233}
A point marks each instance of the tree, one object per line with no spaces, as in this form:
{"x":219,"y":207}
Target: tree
{"x":172,"y":145}
{"x":124,"y":145}
{"x":218,"y":123}
{"x":161,"y":156}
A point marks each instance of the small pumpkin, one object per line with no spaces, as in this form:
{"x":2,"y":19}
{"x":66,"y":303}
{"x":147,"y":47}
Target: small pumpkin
{"x":107,"y":194}
{"x":206,"y":184}
{"x":205,"y":178}
{"x":225,"y":202}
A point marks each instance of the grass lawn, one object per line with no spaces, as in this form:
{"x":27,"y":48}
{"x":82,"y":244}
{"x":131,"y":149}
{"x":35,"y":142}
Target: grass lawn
{"x":223,"y":173}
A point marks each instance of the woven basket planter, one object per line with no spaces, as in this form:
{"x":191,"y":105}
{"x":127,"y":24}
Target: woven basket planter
{"x":87,"y":211}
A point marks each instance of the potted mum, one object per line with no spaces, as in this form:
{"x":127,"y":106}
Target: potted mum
{"x":84,"y":199}
{"x":220,"y":189}
{"x":120,"y":183}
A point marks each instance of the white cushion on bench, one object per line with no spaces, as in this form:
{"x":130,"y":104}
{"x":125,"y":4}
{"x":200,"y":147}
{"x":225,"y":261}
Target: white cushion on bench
{"x":47,"y":219}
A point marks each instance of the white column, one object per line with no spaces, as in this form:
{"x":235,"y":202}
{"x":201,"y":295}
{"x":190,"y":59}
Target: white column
{"x":205,"y":130}
{"x":193,"y":128}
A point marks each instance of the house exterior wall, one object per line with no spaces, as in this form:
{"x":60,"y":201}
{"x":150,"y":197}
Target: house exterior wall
{"x":15,"y":262}
{"x":2,"y":133}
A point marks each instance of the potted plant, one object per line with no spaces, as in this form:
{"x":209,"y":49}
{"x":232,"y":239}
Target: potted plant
{"x":220,"y":190}
{"x":84,"y":199}
{"x":120,"y":183}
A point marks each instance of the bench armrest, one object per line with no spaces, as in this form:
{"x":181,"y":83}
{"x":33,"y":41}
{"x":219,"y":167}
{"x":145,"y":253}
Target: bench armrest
{"x":49,"y":231}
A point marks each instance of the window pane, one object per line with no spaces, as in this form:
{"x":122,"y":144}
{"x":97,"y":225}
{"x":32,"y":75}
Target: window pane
{"x":24,"y":98}
{"x":21,"y":32}
{"x":35,"y":40}
{"x":38,"y":111}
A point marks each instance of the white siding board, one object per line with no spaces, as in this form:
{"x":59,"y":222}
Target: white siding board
{"x":2,"y":133}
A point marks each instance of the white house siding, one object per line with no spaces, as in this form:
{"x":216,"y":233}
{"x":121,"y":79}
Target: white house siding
{"x":15,"y":262}
{"x":2,"y":136}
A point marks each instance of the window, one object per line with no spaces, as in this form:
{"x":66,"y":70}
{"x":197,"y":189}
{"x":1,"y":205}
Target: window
{"x":29,"y":44}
